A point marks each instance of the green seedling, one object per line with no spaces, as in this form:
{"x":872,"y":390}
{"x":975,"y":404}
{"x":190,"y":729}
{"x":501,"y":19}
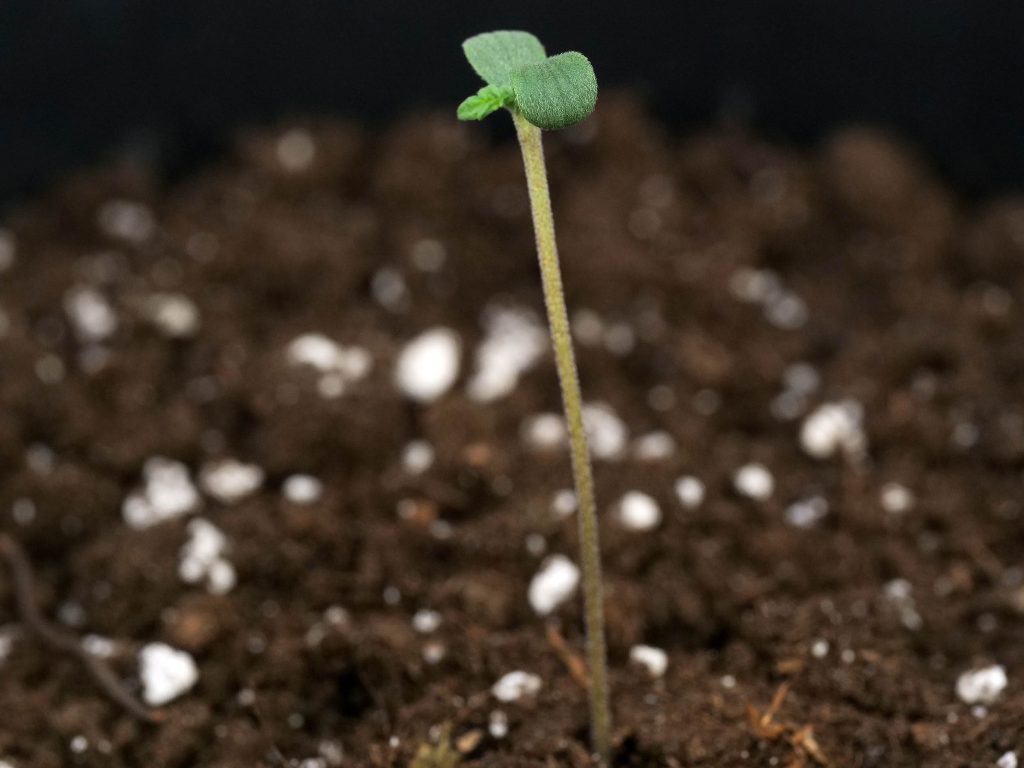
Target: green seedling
{"x":545,"y":93}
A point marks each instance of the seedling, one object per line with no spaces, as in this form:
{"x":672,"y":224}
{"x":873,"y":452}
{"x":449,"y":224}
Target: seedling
{"x":544,"y":93}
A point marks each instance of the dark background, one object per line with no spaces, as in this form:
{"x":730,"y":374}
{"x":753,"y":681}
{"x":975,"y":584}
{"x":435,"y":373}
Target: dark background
{"x":80,"y":79}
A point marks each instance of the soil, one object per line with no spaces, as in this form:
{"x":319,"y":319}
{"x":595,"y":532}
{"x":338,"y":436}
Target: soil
{"x":899,"y":295}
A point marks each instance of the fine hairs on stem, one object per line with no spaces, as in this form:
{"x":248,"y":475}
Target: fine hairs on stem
{"x":549,"y":92}
{"x":558,"y":320}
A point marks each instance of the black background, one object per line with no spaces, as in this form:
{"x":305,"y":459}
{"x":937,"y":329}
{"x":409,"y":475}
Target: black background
{"x":82,"y":78}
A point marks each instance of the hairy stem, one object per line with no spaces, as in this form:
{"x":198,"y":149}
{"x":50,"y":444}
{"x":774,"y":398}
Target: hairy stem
{"x":565,"y":361}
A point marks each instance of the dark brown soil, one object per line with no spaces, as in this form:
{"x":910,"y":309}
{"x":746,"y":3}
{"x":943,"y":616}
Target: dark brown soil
{"x":913,"y":306}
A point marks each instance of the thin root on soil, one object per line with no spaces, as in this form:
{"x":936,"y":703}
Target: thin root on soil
{"x":23,"y":582}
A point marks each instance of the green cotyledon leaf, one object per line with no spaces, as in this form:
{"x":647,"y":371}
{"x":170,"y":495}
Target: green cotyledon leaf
{"x":557,"y":92}
{"x":495,"y":54}
{"x":488,"y":99}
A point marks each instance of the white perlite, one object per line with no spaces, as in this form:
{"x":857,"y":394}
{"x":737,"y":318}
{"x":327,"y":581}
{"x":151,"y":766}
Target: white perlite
{"x":229,"y":480}
{"x":429,"y":255}
{"x":690,"y":491}
{"x":417,"y":457}
{"x":606,"y":431}
{"x":587,"y":327}
{"x":429,"y":364}
{"x":175,"y":315}
{"x":389,"y":289}
{"x":781,"y":307}
{"x":166,"y":673}
{"x":553,"y":584}
{"x":535,"y":544}
{"x":544,"y":431}
{"x":202,"y":558}
{"x":426,"y":621}
{"x":895,"y":498}
{"x":302,"y":489}
{"x":619,"y":338}
{"x":434,"y":651}
{"x":50,"y":369}
{"x":126,"y":220}
{"x":964,"y":435}
{"x":834,"y":427}
{"x":654,"y":446}
{"x":788,"y":312}
{"x":516,"y":685}
{"x":981,"y":686}
{"x":40,"y":458}
{"x":97,"y":645}
{"x":806,"y":513}
{"x":1007,"y":760}
{"x":167,"y":492}
{"x":497,"y":725}
{"x":638,"y":512}
{"x":754,"y":481}
{"x":316,"y":350}
{"x":514,"y":342}
{"x":563,"y":504}
{"x":801,"y":378}
{"x":339,"y":366}
{"x":755,"y":286}
{"x":901,"y":594}
{"x":91,"y":315}
{"x":654,"y":660}
{"x":332,"y":752}
{"x":296,"y":150}
{"x":23,"y":510}
{"x":788,"y":405}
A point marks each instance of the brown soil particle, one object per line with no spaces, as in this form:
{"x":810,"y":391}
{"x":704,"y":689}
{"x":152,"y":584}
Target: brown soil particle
{"x":840,"y":320}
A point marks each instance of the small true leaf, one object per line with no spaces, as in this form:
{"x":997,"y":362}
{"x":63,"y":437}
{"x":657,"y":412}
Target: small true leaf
{"x":495,"y":54}
{"x":488,"y":99}
{"x":557,"y":92}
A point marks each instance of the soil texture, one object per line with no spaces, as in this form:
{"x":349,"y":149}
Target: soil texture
{"x":830,"y":346}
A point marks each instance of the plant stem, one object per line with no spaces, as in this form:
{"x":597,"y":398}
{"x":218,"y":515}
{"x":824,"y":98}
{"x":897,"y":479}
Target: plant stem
{"x":558,"y":320}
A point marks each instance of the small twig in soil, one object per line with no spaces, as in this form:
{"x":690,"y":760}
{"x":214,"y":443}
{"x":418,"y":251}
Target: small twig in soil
{"x":576,"y":666}
{"x":804,"y":740}
{"x":763,"y":724}
{"x":23,"y":582}
{"x":800,"y":738}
